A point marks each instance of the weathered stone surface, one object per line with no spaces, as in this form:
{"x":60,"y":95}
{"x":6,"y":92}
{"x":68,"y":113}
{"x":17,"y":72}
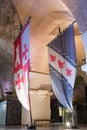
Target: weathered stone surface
{"x":9,"y":30}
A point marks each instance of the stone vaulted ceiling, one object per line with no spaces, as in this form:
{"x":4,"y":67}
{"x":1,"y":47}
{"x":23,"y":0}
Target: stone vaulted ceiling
{"x":47,"y":17}
{"x":9,"y":30}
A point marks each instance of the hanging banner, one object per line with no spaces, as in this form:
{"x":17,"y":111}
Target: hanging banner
{"x":21,"y":65}
{"x":62,"y":66}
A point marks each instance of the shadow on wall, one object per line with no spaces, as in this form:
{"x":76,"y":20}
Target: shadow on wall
{"x":79,"y":90}
{"x":6,"y":81}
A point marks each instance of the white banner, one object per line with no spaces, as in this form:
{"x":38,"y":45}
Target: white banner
{"x":21,"y":65}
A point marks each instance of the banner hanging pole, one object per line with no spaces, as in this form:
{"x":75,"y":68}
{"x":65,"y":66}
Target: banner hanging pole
{"x":31,"y":121}
{"x":22,"y":67}
{"x":30,"y":112}
{"x":74,"y":124}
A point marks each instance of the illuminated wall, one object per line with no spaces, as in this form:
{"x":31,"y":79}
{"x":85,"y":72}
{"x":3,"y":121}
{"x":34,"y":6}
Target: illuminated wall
{"x":40,"y":106}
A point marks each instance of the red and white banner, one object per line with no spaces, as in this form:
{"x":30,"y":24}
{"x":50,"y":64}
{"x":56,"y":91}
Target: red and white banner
{"x":21,"y":65}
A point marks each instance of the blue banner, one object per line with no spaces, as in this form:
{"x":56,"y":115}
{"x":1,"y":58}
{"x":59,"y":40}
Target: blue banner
{"x":62,"y":66}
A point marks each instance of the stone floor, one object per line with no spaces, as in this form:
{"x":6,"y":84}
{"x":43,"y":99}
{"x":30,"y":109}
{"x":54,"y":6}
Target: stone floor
{"x":55,"y":127}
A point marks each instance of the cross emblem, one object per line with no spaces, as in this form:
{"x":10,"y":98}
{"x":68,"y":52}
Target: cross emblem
{"x":25,"y":51}
{"x":19,"y":81}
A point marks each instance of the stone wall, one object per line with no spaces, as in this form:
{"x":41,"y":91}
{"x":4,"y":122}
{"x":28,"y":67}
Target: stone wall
{"x":9,"y":30}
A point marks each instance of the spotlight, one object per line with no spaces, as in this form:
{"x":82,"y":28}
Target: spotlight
{"x":68,"y":124}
